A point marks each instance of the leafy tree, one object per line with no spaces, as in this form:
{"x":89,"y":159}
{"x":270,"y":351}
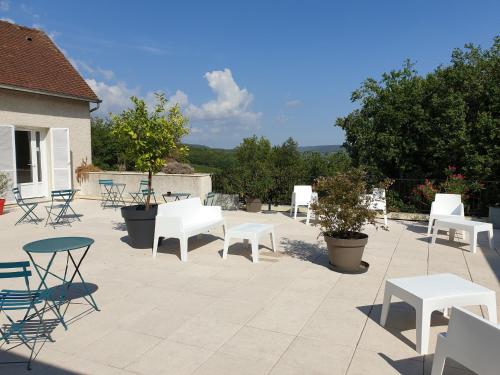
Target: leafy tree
{"x":106,"y":150}
{"x":151,"y":136}
{"x":323,"y":165}
{"x":254,"y":167}
{"x":287,"y":170}
{"x":411,"y":126}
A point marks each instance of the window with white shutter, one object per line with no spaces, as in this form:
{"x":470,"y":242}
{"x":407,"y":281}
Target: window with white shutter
{"x":61,"y":160}
{"x":8,"y":157}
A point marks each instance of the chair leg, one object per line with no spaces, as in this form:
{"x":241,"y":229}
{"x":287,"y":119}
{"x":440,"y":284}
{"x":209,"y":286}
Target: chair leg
{"x":273,"y":241}
{"x":439,"y":356}
{"x":490,"y":239}
{"x":385,"y":218}
{"x":473,"y":241}
{"x":184,"y":248}
{"x":434,"y":234}
{"x":295,"y":212}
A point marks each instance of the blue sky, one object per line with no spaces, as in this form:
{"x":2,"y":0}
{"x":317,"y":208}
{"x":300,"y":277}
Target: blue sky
{"x":272,"y":68}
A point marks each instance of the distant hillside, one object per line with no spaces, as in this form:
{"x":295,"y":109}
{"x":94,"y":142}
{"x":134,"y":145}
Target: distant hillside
{"x":324,"y":149}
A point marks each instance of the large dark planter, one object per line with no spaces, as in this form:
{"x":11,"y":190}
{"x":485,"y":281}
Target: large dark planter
{"x":494,"y":216}
{"x":140,"y":225}
{"x":345,"y":254}
{"x":254,"y":204}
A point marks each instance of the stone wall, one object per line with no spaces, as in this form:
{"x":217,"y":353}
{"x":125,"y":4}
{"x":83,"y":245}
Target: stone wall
{"x":197,"y":184}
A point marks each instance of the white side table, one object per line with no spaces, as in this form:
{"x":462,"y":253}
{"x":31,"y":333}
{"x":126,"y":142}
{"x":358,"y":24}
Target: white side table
{"x":471,"y":227}
{"x":249,"y":232}
{"x":436,"y":292}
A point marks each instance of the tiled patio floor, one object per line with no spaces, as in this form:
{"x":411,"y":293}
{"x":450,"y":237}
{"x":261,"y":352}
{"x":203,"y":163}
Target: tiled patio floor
{"x":288,"y":314}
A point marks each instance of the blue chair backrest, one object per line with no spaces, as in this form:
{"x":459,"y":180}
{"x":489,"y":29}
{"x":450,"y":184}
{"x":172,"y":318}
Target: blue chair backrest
{"x":11,"y":270}
{"x":17,"y":195}
{"x":105,"y":182}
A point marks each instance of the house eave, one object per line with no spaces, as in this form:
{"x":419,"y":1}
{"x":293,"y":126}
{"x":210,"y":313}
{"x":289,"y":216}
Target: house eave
{"x":41,"y":92}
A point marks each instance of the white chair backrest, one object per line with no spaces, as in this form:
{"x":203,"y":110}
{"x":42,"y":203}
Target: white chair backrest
{"x":181,"y":208}
{"x":479,"y":338}
{"x":378,"y":199}
{"x":303,"y":194}
{"x":447,"y":204}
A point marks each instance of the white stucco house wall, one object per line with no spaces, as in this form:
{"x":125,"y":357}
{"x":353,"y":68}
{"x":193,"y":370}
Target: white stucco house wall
{"x":45,"y":108}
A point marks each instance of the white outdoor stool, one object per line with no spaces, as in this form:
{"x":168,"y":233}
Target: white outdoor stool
{"x":436,"y":292}
{"x":472,"y":228}
{"x":249,"y":232}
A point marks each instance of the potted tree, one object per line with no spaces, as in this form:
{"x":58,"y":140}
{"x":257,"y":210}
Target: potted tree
{"x":4,"y":185}
{"x":342,"y":209}
{"x":254,"y":171}
{"x":149,"y":137}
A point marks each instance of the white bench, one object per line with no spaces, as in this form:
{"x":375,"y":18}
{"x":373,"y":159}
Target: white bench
{"x":184,"y":219}
{"x":436,"y":292}
{"x":249,"y":232}
{"x":468,"y":226}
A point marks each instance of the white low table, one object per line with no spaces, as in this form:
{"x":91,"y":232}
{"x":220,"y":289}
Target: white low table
{"x":249,"y":232}
{"x":472,"y":228}
{"x":436,"y":292}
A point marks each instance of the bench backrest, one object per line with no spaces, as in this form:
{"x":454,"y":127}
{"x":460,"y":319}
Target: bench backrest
{"x":478,"y":339}
{"x":181,"y":208}
{"x":447,"y":204}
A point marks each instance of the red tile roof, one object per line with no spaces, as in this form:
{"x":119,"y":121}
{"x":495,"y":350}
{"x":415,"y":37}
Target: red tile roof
{"x":29,"y":60}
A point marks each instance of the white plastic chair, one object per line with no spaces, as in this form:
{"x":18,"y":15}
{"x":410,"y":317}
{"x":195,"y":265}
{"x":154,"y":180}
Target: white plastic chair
{"x":378,"y":202}
{"x":445,"y":206}
{"x":302,"y":196}
{"x":472,"y":341}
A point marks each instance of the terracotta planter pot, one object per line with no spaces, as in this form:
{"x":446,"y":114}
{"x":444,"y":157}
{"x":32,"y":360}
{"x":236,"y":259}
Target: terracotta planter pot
{"x":2,"y":203}
{"x":254,"y":204}
{"x":346,"y":254}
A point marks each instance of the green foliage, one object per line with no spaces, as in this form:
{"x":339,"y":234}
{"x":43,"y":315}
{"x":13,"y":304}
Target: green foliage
{"x":254,"y":167}
{"x":150,"y":137}
{"x":411,"y":126}
{"x":287,"y":170}
{"x":316,"y":164}
{"x":213,"y":158}
{"x":4,"y":184}
{"x":342,"y":208}
{"x":107,"y":152}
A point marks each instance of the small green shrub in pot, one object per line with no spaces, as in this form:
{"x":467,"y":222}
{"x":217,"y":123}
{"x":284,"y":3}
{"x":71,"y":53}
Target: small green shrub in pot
{"x":342,"y":210}
{"x":4,"y":186}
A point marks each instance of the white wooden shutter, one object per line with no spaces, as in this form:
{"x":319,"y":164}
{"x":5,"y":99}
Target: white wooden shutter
{"x":61,"y":160}
{"x":8,"y":157}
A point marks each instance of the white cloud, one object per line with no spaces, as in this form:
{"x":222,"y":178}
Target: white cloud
{"x":231,"y":102}
{"x":293,"y":103}
{"x":82,"y":65}
{"x":115,"y":97}
{"x":4,"y":6}
{"x":7,"y":19}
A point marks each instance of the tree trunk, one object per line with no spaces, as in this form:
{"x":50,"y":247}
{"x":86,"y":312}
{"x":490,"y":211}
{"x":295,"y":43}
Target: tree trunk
{"x":150,"y":183}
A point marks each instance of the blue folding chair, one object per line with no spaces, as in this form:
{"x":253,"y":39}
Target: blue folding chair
{"x":29,"y":214}
{"x":107,"y":192}
{"x":59,"y":206}
{"x":25,"y":301}
{"x":138,"y":197}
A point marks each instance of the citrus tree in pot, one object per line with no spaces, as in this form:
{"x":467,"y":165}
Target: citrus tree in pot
{"x":254,"y":171}
{"x":342,"y":210}
{"x":149,"y":137}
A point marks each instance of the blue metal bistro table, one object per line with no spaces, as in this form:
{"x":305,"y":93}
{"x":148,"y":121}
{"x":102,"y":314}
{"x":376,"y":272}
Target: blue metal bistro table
{"x":55,"y":246}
